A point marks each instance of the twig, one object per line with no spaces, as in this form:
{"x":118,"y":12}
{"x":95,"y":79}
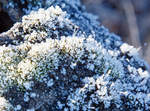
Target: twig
{"x":132,"y":23}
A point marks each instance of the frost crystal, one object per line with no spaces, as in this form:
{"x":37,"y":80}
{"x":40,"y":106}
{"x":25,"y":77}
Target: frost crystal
{"x":5,"y":105}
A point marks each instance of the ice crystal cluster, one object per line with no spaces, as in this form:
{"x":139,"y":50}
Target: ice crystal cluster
{"x":50,"y":23}
{"x":61,"y":59}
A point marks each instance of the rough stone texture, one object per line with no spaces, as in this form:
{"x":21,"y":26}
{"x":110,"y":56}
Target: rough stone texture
{"x":61,"y":59}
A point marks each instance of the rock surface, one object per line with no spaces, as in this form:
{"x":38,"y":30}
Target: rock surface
{"x":59,"y":58}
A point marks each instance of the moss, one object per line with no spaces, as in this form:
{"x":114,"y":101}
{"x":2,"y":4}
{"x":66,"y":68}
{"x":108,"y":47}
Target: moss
{"x":78,"y":70}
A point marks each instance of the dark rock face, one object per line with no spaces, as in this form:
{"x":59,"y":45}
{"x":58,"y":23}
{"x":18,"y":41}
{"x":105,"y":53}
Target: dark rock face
{"x":61,"y":59}
{"x":5,"y":21}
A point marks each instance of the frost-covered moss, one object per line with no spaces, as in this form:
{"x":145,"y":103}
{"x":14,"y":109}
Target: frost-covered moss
{"x":22,"y":63}
{"x":5,"y":105}
{"x":52,"y":64}
{"x":50,"y":23}
{"x":29,"y":5}
{"x":99,"y":93}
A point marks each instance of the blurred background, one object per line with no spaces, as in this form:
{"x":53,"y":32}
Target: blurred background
{"x":128,"y":18}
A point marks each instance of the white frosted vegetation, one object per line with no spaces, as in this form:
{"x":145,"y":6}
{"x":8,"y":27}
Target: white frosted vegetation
{"x":50,"y":53}
{"x":42,"y":24}
{"x":5,"y":105}
{"x":100,"y":92}
{"x":19,"y":64}
{"x":36,"y":4}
